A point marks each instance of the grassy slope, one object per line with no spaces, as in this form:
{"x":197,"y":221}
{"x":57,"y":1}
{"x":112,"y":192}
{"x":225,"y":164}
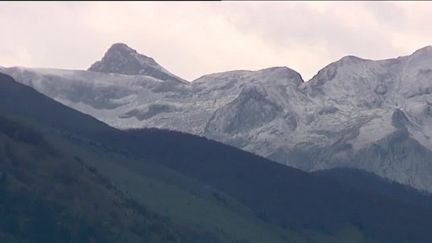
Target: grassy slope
{"x":204,"y":213}
{"x":184,"y":201}
{"x":190,"y":203}
{"x":46,"y":196}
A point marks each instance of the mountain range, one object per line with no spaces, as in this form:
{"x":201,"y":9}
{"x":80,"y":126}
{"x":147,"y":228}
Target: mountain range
{"x":356,"y":113}
{"x":67,"y":177}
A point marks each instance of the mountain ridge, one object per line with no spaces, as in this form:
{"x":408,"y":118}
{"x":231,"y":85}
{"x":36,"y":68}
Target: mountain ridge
{"x":276,"y":194}
{"x":341,"y":117}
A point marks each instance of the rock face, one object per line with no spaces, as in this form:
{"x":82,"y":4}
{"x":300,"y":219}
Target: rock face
{"x":371,"y":115}
{"x":122,"y":59}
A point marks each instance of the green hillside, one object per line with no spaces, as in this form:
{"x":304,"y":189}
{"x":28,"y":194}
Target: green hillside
{"x":52,"y":184}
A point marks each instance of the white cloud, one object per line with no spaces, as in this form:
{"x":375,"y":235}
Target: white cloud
{"x":192,"y":39}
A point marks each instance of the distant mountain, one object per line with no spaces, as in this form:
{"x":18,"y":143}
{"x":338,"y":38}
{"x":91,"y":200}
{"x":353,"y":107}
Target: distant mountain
{"x":357,"y":113}
{"x":219,"y":182}
{"x":122,"y":59}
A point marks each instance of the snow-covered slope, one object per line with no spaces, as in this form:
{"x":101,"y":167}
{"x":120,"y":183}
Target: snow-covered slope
{"x":372,"y":115}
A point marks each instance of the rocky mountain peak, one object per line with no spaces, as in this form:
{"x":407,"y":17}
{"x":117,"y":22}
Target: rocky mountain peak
{"x":122,"y":59}
{"x":350,"y":59}
{"x":273,"y":75}
{"x":283,"y":72}
{"x":427,"y":50}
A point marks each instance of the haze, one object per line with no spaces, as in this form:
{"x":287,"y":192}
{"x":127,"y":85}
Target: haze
{"x":191,"y":39}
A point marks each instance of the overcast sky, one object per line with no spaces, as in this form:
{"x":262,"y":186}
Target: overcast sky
{"x":192,"y":39}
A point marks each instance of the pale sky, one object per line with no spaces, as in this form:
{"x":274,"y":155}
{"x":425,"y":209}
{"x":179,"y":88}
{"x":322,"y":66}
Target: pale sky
{"x":192,"y":39}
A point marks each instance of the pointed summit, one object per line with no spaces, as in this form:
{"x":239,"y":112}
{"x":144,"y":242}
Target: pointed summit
{"x":120,"y":58}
